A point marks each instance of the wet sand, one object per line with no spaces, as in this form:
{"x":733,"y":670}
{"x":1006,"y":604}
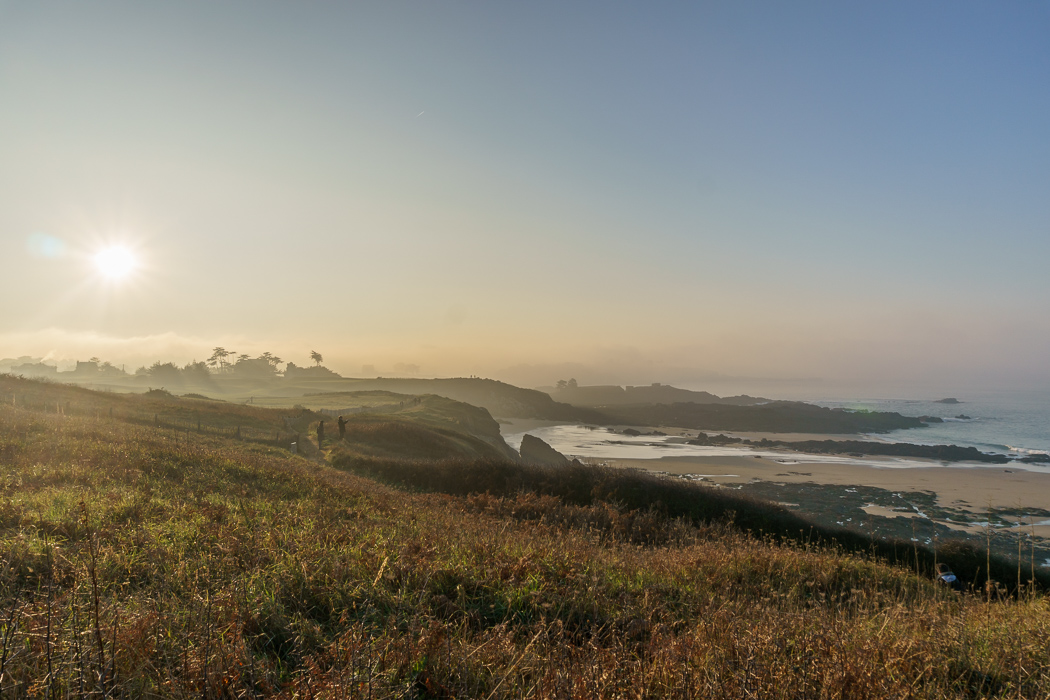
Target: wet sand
{"x":967,"y":486}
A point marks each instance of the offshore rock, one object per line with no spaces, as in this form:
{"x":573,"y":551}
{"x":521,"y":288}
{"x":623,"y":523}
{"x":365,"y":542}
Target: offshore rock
{"x":536,"y":451}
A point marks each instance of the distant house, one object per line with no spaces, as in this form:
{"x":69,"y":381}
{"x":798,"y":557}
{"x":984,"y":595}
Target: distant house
{"x":93,"y":369}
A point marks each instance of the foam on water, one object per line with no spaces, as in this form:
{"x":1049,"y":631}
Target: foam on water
{"x":1009,"y":423}
{"x":599,"y":443}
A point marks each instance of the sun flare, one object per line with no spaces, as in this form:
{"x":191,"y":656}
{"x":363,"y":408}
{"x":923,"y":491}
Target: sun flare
{"x":115,"y":263}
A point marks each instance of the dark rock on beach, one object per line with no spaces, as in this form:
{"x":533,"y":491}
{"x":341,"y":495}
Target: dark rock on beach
{"x":944,"y":453}
{"x":635,"y":433}
{"x":704,"y":439}
{"x":536,"y":451}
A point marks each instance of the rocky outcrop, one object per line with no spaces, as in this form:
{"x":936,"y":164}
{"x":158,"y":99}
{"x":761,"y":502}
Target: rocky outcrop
{"x":614,"y":395}
{"x":536,"y":451}
{"x":944,"y":453}
{"x":774,"y":417}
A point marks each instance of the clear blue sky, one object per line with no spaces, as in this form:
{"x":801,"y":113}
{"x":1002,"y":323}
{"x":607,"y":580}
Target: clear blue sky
{"x":633,"y":192}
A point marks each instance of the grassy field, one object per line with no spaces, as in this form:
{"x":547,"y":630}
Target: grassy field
{"x":450,"y":419}
{"x":142,"y":561}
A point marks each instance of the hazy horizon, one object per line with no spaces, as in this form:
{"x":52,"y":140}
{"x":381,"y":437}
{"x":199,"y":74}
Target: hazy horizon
{"x":722,"y":197}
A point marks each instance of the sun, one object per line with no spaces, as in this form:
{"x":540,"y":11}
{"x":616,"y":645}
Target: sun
{"x":115,"y":263}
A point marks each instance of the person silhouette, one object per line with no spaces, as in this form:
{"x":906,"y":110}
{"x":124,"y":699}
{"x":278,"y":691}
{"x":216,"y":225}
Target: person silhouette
{"x":342,"y":428}
{"x":320,"y":435}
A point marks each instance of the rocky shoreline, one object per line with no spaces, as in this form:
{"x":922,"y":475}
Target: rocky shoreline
{"x":858,"y":448}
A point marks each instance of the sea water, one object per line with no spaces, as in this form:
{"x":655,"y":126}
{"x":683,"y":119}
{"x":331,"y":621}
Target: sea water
{"x":599,"y":443}
{"x":1015,"y":423}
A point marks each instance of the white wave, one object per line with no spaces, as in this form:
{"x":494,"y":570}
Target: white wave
{"x":1025,"y":450}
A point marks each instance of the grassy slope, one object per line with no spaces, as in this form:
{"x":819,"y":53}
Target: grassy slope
{"x":499,"y":398}
{"x":585,"y":485}
{"x":219,"y":568}
{"x":507,"y":401}
{"x":444,"y":415}
{"x":429,"y":426}
{"x":404,"y":438}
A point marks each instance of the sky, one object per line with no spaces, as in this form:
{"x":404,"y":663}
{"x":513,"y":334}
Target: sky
{"x":852,"y":194}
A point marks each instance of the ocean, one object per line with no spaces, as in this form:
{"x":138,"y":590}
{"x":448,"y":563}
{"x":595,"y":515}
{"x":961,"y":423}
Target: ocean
{"x":1015,"y":423}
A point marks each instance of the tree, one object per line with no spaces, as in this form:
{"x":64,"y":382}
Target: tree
{"x":218,"y":358}
{"x":316,"y":357}
{"x":561,"y":384}
{"x":166,"y":373}
{"x":196,"y":372}
{"x":572,"y":384}
{"x":273,"y":360}
{"x":254,"y":367}
{"x":108,"y":369}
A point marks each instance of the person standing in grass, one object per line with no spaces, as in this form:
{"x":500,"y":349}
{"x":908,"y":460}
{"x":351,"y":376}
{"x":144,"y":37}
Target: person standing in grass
{"x":342,"y":428}
{"x":320,"y":435}
{"x":945,"y":576}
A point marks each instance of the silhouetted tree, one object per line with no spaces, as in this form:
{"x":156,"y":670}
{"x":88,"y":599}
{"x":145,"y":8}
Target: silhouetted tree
{"x":257,"y":367}
{"x":316,"y":357}
{"x":166,"y":373}
{"x":218,"y":358}
{"x":108,"y":369}
{"x":196,"y":372}
{"x":273,"y":360}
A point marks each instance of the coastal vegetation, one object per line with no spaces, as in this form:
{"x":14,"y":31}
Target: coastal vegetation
{"x":654,"y":406}
{"x":144,"y":561}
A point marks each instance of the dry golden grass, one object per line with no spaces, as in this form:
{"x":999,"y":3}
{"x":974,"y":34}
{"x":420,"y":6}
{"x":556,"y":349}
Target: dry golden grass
{"x":134,"y":566}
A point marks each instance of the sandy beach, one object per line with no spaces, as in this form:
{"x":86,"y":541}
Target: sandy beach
{"x":966,"y":486}
{"x":959,"y":486}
